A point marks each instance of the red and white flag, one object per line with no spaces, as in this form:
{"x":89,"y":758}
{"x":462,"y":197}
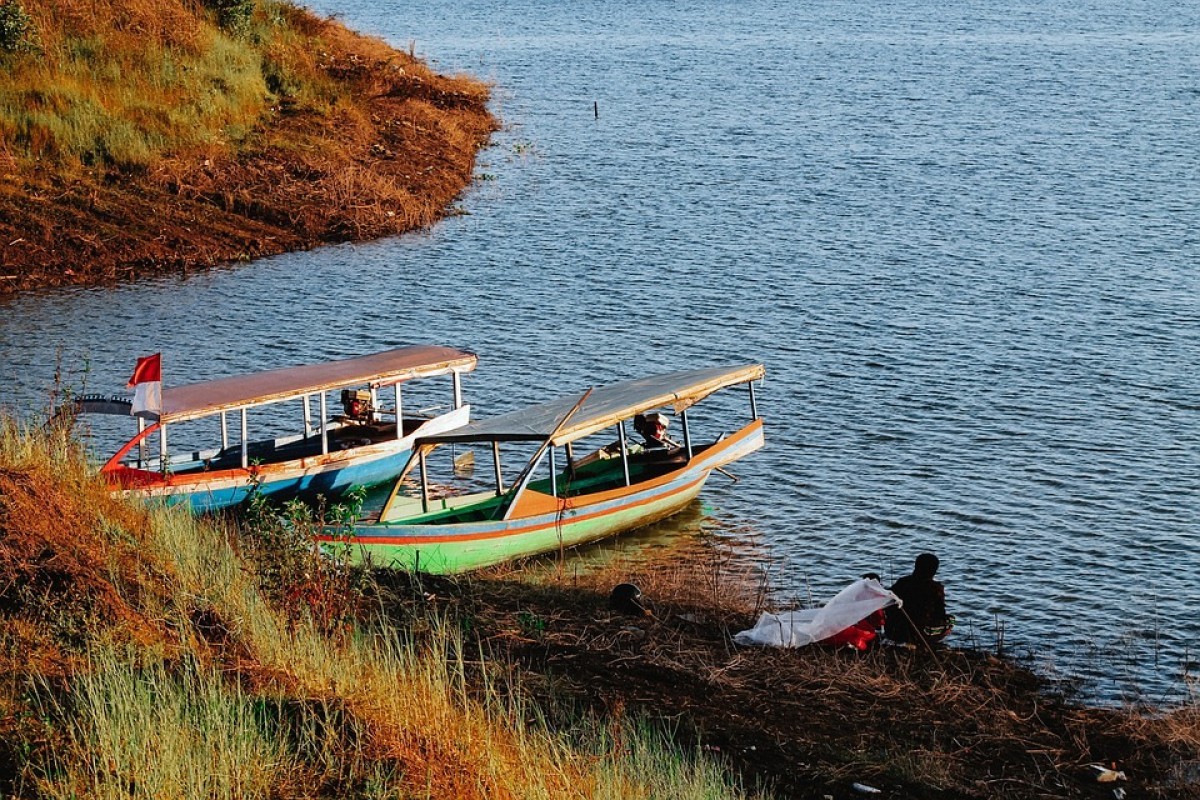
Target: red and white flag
{"x":147,"y":386}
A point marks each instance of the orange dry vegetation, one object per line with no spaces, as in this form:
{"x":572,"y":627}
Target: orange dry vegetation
{"x":82,"y":572}
{"x":811,"y":722}
{"x":59,"y":580}
{"x":150,"y":21}
{"x":357,"y":141}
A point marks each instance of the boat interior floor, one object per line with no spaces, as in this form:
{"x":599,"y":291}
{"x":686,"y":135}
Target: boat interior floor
{"x":275,"y":451}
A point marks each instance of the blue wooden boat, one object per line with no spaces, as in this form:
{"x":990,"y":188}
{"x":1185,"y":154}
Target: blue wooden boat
{"x":354,"y":441}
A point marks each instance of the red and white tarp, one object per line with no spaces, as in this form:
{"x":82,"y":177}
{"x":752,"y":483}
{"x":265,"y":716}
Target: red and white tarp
{"x":856,"y":602}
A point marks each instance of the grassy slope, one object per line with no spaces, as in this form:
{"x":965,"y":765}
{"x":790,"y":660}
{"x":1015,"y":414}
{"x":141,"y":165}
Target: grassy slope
{"x":140,"y":656}
{"x":143,"y":136}
{"x":143,"y":656}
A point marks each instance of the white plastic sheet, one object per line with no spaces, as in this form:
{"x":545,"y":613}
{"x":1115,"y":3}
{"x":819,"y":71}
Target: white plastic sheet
{"x":856,"y":602}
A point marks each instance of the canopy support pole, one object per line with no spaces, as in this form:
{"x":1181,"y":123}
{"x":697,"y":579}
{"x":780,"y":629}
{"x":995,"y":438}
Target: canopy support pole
{"x":324,"y":426}
{"x":399,"y":415}
{"x":164,"y":460}
{"x":624,"y":451}
{"x":753,"y":402}
{"x":531,"y":467}
{"x":687,"y":433}
{"x":374,"y":404}
{"x":458,"y":400}
{"x":308,"y":429}
{"x":496,"y":463}
{"x":424,"y":484}
{"x":224,"y":430}
{"x":553,"y":474}
{"x":245,"y":442}
{"x":142,"y":454}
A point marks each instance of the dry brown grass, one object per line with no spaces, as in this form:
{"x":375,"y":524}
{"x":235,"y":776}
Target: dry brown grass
{"x":955,"y":723}
{"x":54,"y":582}
{"x":140,"y":651}
{"x":130,"y":25}
{"x":441,"y":695}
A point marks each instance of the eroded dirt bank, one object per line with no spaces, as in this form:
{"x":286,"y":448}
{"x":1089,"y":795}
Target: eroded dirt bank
{"x":391,"y":160}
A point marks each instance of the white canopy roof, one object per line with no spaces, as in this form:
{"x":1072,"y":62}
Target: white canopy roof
{"x":380,"y":369}
{"x":604,"y":407}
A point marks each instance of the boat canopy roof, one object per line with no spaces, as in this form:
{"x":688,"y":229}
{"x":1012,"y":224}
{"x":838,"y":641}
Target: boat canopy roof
{"x":196,"y":400}
{"x":604,"y":407}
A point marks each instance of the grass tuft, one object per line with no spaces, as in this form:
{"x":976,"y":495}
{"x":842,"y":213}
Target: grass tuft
{"x":131,"y":84}
{"x":150,"y":731}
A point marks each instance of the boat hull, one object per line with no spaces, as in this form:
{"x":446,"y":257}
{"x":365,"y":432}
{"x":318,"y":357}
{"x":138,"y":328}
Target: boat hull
{"x":329,"y":474}
{"x":560,"y":524}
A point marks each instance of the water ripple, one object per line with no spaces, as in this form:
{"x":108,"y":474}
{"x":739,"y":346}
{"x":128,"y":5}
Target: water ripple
{"x":962,"y":239}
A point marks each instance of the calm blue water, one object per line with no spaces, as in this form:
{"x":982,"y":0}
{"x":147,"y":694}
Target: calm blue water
{"x":963,"y":238}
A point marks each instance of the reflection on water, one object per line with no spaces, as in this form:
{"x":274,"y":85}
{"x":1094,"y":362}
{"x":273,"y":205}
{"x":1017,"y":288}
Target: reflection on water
{"x":961,"y":237}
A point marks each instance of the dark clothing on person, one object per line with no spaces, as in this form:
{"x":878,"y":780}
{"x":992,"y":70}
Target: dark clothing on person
{"x":924,"y":606}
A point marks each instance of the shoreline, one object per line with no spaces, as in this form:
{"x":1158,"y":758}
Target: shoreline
{"x":515,"y":681}
{"x":812,"y":722}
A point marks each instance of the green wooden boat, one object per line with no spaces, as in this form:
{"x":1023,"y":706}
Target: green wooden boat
{"x":557,"y":500}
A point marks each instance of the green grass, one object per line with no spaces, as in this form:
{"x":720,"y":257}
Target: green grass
{"x":151,"y":732}
{"x":105,"y":95}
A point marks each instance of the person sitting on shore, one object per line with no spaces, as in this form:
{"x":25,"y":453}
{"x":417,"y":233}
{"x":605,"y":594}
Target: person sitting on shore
{"x":922,"y":618}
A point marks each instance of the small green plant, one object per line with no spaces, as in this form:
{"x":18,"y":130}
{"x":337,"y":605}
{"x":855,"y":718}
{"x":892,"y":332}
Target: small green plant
{"x":17,"y":32}
{"x":531,"y":624}
{"x":233,"y":15}
{"x":319,"y":583}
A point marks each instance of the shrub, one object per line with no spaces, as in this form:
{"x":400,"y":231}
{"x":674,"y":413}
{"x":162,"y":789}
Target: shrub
{"x":233,"y":15}
{"x":16,"y":28}
{"x":305,"y":581}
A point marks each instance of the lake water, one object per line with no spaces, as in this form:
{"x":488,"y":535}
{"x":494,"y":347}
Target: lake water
{"x":964,"y":239}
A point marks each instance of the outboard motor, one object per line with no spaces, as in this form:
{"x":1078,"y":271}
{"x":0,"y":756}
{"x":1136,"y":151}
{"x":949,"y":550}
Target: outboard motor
{"x":356,"y":404}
